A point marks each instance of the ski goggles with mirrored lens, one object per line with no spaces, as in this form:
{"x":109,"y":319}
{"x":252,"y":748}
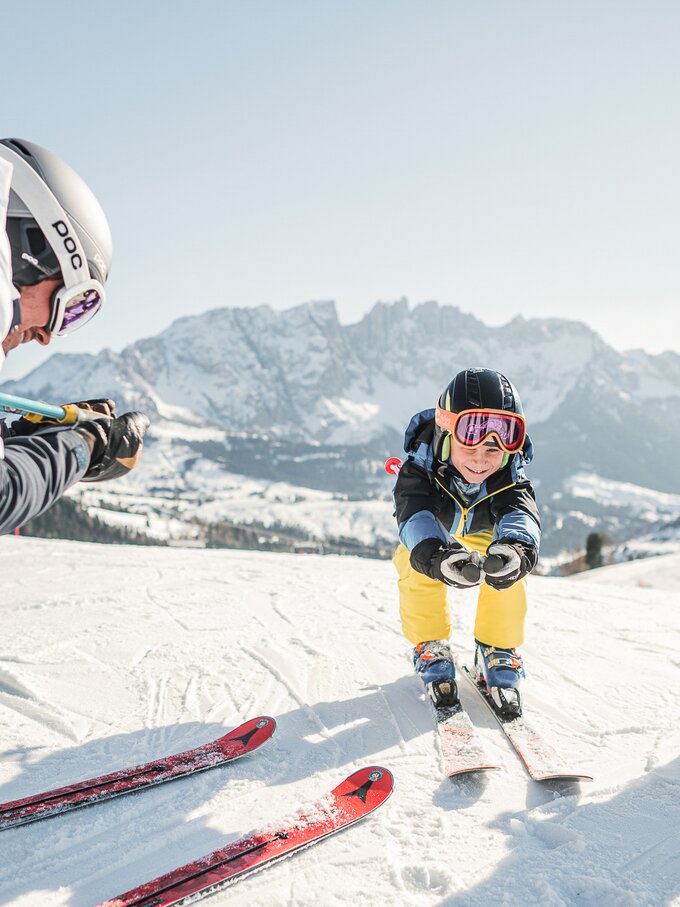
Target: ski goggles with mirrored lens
{"x":473,"y":427}
{"x":72,"y":307}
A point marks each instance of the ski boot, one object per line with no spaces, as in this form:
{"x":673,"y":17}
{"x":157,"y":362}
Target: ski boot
{"x":500,"y":671}
{"x":433,"y":662}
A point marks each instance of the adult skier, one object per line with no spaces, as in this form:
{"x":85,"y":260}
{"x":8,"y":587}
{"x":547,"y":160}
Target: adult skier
{"x":467,"y":517}
{"x":55,"y":255}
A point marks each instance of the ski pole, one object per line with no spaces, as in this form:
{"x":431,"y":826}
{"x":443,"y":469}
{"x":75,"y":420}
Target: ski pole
{"x":36,"y":410}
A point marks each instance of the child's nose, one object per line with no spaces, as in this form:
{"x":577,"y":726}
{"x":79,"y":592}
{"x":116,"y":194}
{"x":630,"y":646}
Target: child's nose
{"x":480,"y":457}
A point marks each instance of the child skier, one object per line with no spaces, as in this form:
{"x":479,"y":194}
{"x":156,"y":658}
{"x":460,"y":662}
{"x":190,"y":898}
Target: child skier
{"x":467,"y":516}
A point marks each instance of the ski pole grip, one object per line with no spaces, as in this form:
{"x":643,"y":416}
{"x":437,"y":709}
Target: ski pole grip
{"x":471,"y":572}
{"x":494,"y":563}
{"x":71,"y":415}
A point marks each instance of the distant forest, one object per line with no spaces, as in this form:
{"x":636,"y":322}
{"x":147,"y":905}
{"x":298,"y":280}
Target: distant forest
{"x":67,"y":520}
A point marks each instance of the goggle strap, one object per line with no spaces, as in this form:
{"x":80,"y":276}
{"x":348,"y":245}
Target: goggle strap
{"x":47,"y":212}
{"x":57,"y":308}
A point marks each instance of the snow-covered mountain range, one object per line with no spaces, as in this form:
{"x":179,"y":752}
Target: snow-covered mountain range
{"x":295,"y":397}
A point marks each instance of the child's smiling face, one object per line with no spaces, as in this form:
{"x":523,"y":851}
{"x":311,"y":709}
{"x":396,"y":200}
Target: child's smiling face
{"x":476,"y":464}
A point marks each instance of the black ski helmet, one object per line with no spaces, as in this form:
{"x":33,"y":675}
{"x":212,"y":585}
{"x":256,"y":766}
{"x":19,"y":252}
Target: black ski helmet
{"x":33,"y":257}
{"x":474,"y":388}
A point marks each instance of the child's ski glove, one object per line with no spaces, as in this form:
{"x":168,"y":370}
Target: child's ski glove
{"x":507,"y":561}
{"x":451,"y":564}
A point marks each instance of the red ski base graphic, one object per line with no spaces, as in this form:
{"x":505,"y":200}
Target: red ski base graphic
{"x":352,"y":800}
{"x":241,"y":740}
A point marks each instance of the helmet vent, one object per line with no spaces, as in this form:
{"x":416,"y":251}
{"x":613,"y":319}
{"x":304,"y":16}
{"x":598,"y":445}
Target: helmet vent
{"x":21,"y":147}
{"x":508,"y":396}
{"x":474,"y":391}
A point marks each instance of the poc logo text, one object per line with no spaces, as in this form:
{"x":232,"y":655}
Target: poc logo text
{"x":69,"y":243}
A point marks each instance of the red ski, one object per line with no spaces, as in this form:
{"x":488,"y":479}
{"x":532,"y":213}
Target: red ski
{"x":461,"y":749}
{"x":356,"y":797}
{"x":541,"y":760}
{"x":241,"y":740}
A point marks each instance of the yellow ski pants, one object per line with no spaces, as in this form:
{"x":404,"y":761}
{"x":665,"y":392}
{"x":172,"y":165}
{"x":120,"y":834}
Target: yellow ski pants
{"x":424,"y":609}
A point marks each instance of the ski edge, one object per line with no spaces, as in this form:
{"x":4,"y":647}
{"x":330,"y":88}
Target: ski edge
{"x":472,"y":770}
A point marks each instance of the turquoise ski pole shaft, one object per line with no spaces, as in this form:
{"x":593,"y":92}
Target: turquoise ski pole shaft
{"x":9,"y":401}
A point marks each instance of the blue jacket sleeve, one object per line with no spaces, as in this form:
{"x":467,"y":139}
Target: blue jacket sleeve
{"x":36,"y":471}
{"x":519,"y":525}
{"x":420,"y":526}
{"x":516,"y":515}
{"x":416,"y":505}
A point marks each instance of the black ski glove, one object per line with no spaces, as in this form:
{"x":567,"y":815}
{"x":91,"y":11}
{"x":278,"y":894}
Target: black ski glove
{"x":507,"y":561}
{"x":115,"y":445}
{"x":451,"y":564}
{"x":36,"y":423}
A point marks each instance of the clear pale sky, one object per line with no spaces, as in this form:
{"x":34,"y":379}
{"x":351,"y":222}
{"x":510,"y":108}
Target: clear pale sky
{"x":507,"y":157}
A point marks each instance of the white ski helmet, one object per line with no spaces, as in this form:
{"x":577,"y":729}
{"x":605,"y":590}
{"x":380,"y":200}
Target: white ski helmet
{"x":54,"y":221}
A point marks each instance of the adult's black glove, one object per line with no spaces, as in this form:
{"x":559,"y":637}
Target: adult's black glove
{"x":451,"y":564}
{"x":35,"y":424}
{"x":507,"y":561}
{"x":115,"y":445}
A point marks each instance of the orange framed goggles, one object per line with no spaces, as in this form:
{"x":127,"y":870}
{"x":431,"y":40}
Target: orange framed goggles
{"x":473,"y":427}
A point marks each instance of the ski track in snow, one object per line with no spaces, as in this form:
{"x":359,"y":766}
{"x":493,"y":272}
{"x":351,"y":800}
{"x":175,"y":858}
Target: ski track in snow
{"x":154,"y":651}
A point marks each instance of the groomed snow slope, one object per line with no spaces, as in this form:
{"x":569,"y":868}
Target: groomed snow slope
{"x":112,"y":656}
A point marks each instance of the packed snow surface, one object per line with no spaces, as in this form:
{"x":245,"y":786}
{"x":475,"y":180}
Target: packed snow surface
{"x":113,"y":656}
